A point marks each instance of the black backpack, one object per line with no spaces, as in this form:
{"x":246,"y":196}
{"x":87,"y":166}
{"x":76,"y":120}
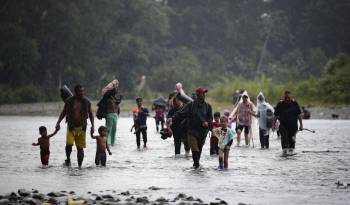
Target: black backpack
{"x":269,"y":118}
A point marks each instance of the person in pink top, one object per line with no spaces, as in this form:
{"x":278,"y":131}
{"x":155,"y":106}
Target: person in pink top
{"x":243,"y":113}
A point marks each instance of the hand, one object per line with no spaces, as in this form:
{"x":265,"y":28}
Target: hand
{"x":92,"y":130}
{"x":301,"y":127}
{"x":110,"y":153}
{"x":58,"y":127}
{"x":205,"y":124}
{"x":33,"y":144}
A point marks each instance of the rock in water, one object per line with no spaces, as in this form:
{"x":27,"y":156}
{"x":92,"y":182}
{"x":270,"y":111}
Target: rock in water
{"x":23,"y":192}
{"x":143,"y":200}
{"x":107,"y":196}
{"x":154,"y":188}
{"x":53,"y":194}
{"x":38,"y":196}
{"x":126,"y":193}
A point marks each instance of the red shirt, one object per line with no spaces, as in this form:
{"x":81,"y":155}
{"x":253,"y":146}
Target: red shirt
{"x":213,"y":138}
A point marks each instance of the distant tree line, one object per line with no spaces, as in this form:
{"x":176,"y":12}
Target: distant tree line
{"x":45,"y":44}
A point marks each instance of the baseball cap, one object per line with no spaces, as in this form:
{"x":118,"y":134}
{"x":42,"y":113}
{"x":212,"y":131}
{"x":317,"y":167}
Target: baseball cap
{"x":201,"y":89}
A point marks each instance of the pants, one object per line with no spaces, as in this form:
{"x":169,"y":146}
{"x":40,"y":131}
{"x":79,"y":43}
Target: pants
{"x":264,"y":139}
{"x":178,"y":138}
{"x":142,"y":130}
{"x":160,"y":121}
{"x":214,"y":148}
{"x":288,"y":137}
{"x":100,"y":158}
{"x":196,"y":145}
{"x":44,"y":157}
{"x":111,"y":124}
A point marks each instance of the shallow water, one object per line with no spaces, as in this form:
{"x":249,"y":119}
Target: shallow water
{"x":254,"y":176}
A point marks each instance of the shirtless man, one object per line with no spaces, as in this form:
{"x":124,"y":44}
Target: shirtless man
{"x":101,"y":146}
{"x":76,"y":110}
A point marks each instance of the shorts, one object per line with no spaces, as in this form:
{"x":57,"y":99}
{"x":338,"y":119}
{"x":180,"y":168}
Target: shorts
{"x":100,"y":158}
{"x":77,"y":136}
{"x":44,"y":157}
{"x":240,"y":127}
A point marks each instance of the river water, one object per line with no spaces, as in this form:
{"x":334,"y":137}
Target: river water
{"x":254,"y":176}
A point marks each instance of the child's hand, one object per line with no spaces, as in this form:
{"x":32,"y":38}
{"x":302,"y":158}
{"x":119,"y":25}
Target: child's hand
{"x":33,"y":144}
{"x":110,"y":153}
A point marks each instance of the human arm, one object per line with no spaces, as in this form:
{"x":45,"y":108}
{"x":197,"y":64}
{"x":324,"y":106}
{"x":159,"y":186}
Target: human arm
{"x":36,"y":144}
{"x":109,"y":151}
{"x":208,"y":123}
{"x":55,"y":132}
{"x":91,"y":117}
{"x":92,"y":136}
{"x":181,"y":114}
{"x":62,"y":115}
{"x":300,"y":118}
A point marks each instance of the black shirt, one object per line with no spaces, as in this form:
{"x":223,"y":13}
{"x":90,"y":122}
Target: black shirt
{"x":288,"y":114}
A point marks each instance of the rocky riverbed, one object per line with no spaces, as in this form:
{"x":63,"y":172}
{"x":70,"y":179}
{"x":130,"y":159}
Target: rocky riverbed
{"x":108,"y":197}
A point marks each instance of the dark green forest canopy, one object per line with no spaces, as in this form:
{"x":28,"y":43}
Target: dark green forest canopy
{"x":45,"y":44}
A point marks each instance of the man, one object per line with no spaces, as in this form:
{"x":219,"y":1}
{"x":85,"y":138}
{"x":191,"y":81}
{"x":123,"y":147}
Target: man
{"x":140,"y":122}
{"x":243,"y":113}
{"x":112,"y":113}
{"x":288,"y":113}
{"x":178,"y":128}
{"x":76,"y":110}
{"x":199,"y":119}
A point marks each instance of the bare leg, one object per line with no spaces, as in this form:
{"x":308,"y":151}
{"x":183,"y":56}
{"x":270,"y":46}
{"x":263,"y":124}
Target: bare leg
{"x":226,"y":153}
{"x":238,"y":136}
{"x":80,"y":156}
{"x":247,"y":139}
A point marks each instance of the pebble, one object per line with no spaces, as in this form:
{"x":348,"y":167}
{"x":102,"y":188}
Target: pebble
{"x":107,"y":196}
{"x":162,"y":199}
{"x":53,"y":194}
{"x":154,"y":188}
{"x":4,"y":201}
{"x":181,"y":195}
{"x":34,"y":191}
{"x":52,"y":201}
{"x":38,"y":196}
{"x":126,"y":193}
{"x":31,"y":201}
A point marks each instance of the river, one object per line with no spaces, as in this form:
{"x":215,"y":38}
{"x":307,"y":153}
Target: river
{"x":254,"y":176}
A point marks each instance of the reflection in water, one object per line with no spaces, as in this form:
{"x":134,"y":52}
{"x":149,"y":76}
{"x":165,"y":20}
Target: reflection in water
{"x":254,"y":175}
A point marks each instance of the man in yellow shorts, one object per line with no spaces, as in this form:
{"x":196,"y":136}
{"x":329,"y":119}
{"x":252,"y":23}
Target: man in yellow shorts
{"x":76,"y":110}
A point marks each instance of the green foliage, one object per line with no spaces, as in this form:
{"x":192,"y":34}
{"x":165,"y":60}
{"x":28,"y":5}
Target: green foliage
{"x":49,"y":43}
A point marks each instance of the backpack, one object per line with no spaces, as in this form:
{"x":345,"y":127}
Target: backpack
{"x":269,"y":118}
{"x":101,"y":109}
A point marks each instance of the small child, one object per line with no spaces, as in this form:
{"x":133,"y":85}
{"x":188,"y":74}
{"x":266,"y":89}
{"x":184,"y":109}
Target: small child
{"x":44,"y":142}
{"x":214,"y":149}
{"x":102,"y":145}
{"x":225,"y":137}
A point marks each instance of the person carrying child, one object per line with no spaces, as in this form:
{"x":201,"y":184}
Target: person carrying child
{"x":101,"y":146}
{"x":225,"y":137}
{"x":44,"y":143}
{"x":140,"y":115}
{"x":214,"y":149}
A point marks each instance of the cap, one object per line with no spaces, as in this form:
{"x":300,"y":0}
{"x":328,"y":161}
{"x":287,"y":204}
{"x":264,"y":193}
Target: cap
{"x":201,"y":89}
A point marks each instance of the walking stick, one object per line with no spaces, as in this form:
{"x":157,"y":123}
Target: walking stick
{"x":313,"y":131}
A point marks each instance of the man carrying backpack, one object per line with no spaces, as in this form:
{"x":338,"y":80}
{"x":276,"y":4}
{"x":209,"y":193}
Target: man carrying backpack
{"x":288,"y":113}
{"x":199,"y":119}
{"x":265,"y":114}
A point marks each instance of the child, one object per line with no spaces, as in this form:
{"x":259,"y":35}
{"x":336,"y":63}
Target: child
{"x":44,"y":142}
{"x":101,"y":147}
{"x":225,"y":138}
{"x":214,"y":149}
{"x":140,"y":117}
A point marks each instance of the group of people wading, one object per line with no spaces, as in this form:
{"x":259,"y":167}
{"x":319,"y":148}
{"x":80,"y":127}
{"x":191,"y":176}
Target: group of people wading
{"x":189,"y":122}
